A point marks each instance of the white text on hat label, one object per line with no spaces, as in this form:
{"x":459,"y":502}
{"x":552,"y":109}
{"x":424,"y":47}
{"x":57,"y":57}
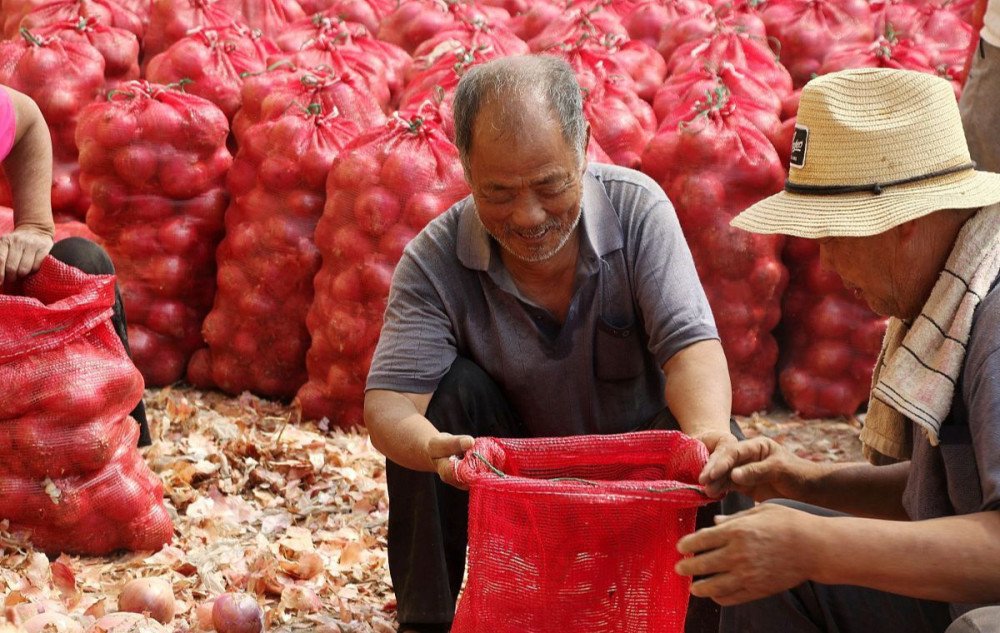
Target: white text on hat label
{"x":799,"y":142}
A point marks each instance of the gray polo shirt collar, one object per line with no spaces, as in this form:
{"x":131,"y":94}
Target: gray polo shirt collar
{"x":602,"y":233}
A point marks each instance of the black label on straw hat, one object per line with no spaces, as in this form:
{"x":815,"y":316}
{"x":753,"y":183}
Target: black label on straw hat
{"x":799,"y":142}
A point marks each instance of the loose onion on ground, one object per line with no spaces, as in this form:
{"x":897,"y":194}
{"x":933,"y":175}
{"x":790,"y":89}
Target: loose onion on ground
{"x":151,"y":596}
{"x":51,"y":622}
{"x":237,"y":613}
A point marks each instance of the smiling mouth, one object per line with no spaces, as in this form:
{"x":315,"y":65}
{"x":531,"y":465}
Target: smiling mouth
{"x":533,"y":236}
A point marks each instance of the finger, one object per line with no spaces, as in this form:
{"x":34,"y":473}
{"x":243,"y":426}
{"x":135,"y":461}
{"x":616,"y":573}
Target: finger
{"x":13,"y":262}
{"x":719,"y":463}
{"x":711,"y":562}
{"x":446,"y":471}
{"x":751,"y":474}
{"x":721,"y":584}
{"x":40,"y":254}
{"x":739,"y":454}
{"x":24,"y":267}
{"x":719,"y":593}
{"x":446,"y":444}
{"x":704,"y":539}
{"x":4,"y":247}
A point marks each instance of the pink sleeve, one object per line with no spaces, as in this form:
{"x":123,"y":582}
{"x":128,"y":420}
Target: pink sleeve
{"x":8,"y":125}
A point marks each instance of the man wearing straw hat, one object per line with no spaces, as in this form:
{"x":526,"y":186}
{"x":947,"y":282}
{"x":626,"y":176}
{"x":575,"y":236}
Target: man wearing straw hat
{"x":910,"y":542}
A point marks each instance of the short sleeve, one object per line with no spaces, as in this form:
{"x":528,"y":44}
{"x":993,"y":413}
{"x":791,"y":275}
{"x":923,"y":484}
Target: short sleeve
{"x":668,"y":291}
{"x":982,"y":393}
{"x":417,"y":343}
{"x":8,"y":124}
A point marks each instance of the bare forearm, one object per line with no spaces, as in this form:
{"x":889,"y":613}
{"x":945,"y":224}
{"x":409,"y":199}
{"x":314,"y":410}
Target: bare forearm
{"x":29,"y":169}
{"x":951,"y":559}
{"x":859,"y":489}
{"x":398,"y":429}
{"x":698,"y":391}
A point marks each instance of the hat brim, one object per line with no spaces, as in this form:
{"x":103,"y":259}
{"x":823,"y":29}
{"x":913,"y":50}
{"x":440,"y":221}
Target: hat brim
{"x":862,"y":214}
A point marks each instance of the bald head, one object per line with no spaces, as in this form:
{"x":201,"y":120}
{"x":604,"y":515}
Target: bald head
{"x":517,"y":91}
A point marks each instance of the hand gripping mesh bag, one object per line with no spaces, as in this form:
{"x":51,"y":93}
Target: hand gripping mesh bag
{"x":70,"y":473}
{"x":579,"y":533}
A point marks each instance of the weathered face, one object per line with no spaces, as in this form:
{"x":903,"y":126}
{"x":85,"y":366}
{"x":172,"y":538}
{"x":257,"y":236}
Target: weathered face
{"x":865,"y":264}
{"x":526,"y":182}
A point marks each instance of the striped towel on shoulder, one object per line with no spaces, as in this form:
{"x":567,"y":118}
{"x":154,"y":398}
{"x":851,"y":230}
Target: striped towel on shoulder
{"x":918,"y":368}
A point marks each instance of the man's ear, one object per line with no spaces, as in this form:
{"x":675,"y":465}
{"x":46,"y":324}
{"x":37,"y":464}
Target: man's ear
{"x":586,"y":145}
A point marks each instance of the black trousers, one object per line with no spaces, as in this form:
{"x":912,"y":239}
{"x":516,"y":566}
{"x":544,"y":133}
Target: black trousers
{"x":428,"y":519}
{"x":89,"y":257}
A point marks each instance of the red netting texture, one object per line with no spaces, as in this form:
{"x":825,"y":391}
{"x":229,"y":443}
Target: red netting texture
{"x":579,"y":533}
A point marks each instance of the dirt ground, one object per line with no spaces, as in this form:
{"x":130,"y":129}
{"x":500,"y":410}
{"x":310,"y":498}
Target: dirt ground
{"x":292,"y":512}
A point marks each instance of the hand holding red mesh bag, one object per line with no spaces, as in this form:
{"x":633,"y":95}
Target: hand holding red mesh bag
{"x":579,"y":533}
{"x":70,"y":472}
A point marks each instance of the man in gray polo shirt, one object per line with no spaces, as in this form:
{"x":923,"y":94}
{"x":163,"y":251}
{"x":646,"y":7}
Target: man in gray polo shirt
{"x":559,"y":299}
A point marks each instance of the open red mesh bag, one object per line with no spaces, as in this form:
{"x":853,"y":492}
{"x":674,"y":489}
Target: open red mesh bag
{"x":70,"y":473}
{"x":579,"y":533}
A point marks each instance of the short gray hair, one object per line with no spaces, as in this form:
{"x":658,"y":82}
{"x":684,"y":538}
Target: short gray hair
{"x":512,"y":80}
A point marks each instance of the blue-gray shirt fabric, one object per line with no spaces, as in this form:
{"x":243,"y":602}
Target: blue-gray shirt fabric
{"x":636,"y":303}
{"x":962,"y":474}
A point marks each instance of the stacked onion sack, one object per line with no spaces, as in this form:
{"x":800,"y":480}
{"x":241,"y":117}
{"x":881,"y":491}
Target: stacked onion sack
{"x":714,"y":156}
{"x":270,"y":17}
{"x":413,"y":22}
{"x":153,"y":160}
{"x":256,"y":331}
{"x":119,"y":47}
{"x":621,"y":121}
{"x":173,"y":20}
{"x":211,"y":61}
{"x":383,"y":188}
{"x":63,"y":75}
{"x":269,"y":94}
{"x":278,"y":184}
{"x":70,"y":473}
{"x":440,"y":62}
{"x":130,"y":15}
{"x":713,"y":162}
{"x":324,"y":40}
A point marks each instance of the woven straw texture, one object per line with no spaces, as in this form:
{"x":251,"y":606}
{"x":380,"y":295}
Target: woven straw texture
{"x":579,"y":533}
{"x":868,"y":126}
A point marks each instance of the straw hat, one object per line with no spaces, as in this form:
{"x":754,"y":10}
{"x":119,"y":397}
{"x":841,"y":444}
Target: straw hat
{"x":873,"y":148}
